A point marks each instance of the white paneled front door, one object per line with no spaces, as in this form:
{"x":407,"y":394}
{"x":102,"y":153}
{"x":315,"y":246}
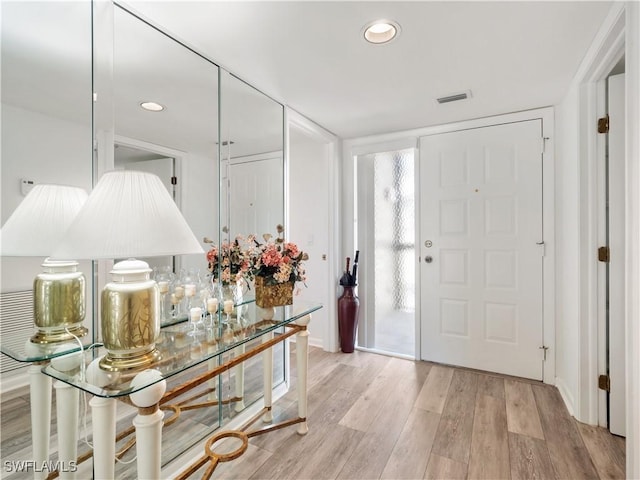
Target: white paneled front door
{"x":481,"y":248}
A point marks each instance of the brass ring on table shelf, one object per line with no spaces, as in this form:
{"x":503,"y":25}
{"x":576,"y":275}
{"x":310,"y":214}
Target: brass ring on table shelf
{"x":226,"y":457}
{"x":174,"y":416}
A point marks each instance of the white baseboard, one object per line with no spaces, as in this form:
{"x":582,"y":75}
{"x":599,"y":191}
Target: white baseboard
{"x":566,"y":395}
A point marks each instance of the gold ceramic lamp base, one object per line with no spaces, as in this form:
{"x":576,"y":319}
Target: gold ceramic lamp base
{"x":58,"y":302}
{"x":130,"y":318}
{"x":57,"y":336}
{"x":112,"y":362}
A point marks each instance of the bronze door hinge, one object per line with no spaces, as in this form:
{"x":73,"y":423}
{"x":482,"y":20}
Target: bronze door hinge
{"x":603,"y":124}
{"x":604,"y":254}
{"x":604,"y":383}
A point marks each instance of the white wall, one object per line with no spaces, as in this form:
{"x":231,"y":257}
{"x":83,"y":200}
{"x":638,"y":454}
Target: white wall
{"x":47,"y":150}
{"x":309,"y":208}
{"x":568,"y":242}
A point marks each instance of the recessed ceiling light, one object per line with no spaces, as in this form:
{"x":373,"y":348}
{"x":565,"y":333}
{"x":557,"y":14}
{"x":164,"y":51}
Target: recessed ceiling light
{"x":381,"y":31}
{"x":152,"y":106}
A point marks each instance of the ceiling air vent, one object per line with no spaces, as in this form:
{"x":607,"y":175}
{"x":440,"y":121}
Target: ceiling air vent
{"x":455,"y":97}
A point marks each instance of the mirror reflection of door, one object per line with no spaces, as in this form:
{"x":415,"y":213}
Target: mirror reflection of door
{"x":252,"y":196}
{"x":132,"y":158}
{"x":256,"y":195}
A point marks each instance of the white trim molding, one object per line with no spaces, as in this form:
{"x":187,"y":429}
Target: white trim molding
{"x":619,"y":33}
{"x":321,"y":135}
{"x":632,"y":93}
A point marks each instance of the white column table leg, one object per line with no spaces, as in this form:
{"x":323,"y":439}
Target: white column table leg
{"x":302,"y":361}
{"x":40,"y":392}
{"x":148,"y":423}
{"x":103,"y":415}
{"x":67,"y":398}
{"x":267,"y":369}
{"x":149,"y":443}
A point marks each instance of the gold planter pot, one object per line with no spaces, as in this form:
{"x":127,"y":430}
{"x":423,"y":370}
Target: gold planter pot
{"x":273,"y":295}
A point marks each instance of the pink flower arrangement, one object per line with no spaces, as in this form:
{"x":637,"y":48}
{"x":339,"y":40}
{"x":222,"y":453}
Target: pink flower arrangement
{"x":234,"y":264}
{"x":278,"y":261}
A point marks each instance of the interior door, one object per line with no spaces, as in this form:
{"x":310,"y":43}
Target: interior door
{"x":255,"y":196}
{"x":482,"y":248}
{"x":616,"y":229}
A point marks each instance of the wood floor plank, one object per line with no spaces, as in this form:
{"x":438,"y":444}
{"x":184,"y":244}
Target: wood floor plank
{"x":569,"y":456}
{"x":529,"y":458}
{"x":360,"y":416}
{"x":366,"y":372}
{"x":608,"y":458}
{"x":321,"y":453}
{"x":326,"y":405}
{"x":330,"y":454}
{"x":522,"y":412}
{"x":328,"y":442}
{"x":411,"y":452}
{"x":453,"y":439}
{"x":435,"y":389}
{"x":491,"y":385}
{"x":372,"y":453}
{"x":489,"y":458}
{"x":440,"y":468}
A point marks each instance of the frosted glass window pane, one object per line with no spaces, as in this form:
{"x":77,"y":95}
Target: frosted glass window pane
{"x":394,"y":250}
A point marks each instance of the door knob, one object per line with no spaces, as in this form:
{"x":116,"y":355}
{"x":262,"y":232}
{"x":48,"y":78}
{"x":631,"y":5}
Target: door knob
{"x":428,"y":259}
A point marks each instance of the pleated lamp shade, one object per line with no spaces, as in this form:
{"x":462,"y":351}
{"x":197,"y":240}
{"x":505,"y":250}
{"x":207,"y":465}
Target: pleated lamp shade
{"x":34,"y":229}
{"x":38,"y":224}
{"x":128,"y":214}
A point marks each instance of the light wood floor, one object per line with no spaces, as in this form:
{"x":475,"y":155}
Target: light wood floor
{"x":372,"y":416}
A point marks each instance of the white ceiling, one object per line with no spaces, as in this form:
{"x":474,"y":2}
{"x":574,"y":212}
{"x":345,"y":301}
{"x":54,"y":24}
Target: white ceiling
{"x":311,"y":55}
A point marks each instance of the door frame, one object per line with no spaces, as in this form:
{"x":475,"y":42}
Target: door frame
{"x":410,"y":137}
{"x":590,"y":406}
{"x":621,"y":30}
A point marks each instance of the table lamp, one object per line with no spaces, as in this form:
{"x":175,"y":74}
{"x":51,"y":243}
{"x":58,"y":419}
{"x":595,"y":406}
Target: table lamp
{"x":34,"y":229}
{"x":129,"y":214}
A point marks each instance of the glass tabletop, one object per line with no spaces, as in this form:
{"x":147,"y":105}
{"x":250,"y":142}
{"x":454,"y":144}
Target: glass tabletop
{"x":21,"y":348}
{"x":180,"y":346}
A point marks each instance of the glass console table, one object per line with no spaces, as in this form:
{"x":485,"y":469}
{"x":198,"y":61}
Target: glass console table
{"x":222,"y":343}
{"x":39,"y":356}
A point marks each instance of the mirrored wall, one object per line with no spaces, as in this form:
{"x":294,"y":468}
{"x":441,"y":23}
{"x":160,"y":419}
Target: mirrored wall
{"x":46,"y":135}
{"x":73,"y":86}
{"x":217,"y":144}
